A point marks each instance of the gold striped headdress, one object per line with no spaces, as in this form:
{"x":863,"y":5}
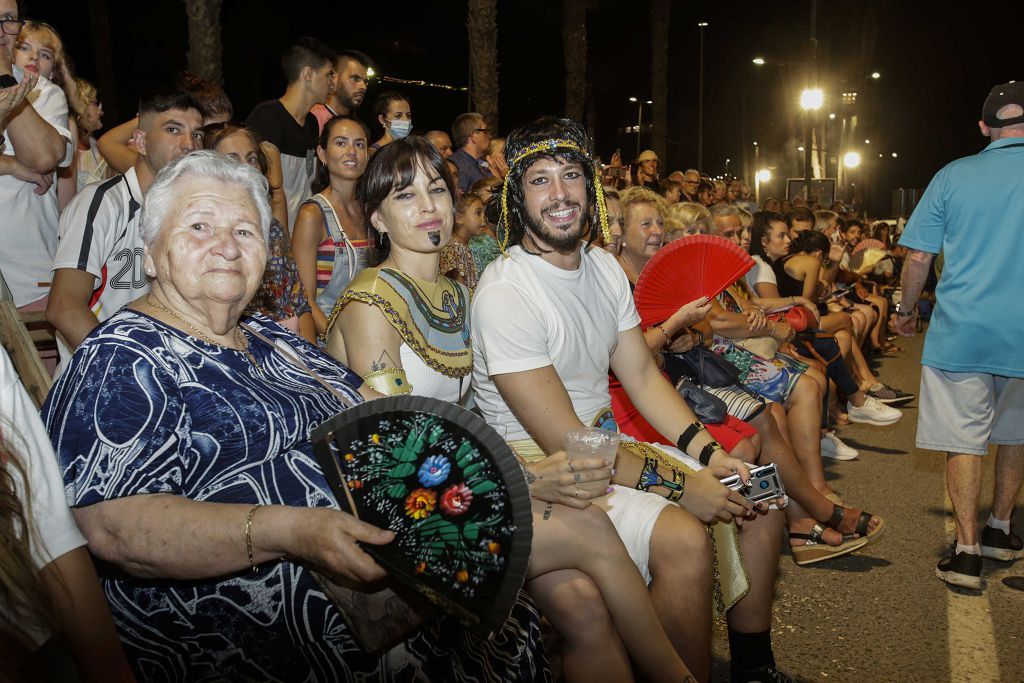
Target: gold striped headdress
{"x":550,"y":146}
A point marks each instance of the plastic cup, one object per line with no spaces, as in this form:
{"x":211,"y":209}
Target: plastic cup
{"x":592,"y":442}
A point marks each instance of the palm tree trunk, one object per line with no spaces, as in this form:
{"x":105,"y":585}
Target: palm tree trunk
{"x":660,"y":11}
{"x":204,"y":46}
{"x":574,"y":45}
{"x":482,"y":26}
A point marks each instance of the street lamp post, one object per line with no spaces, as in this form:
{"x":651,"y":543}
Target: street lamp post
{"x":639,"y":119}
{"x":700,"y":100}
{"x":762,"y":176}
{"x":811,"y":100}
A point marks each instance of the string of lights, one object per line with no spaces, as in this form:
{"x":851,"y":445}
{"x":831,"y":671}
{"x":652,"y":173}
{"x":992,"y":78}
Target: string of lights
{"x":425,"y":84}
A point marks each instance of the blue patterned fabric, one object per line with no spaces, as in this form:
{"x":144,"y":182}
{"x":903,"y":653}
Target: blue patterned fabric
{"x":144,"y":408}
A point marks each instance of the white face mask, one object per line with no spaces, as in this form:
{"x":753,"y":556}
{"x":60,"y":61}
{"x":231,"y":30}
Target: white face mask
{"x":400,"y":129}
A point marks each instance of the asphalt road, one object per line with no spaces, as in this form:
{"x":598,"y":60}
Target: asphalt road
{"x":881,"y":614}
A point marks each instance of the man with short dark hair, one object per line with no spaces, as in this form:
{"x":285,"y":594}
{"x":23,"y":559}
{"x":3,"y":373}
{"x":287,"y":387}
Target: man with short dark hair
{"x":471,"y":137}
{"x":972,"y":375}
{"x":98,"y":268}
{"x":34,"y":141}
{"x":348,"y":90}
{"x":287,"y":124}
{"x":799,"y":218}
{"x":549,"y":322}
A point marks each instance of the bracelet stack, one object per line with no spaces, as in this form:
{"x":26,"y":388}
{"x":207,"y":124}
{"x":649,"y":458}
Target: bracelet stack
{"x":688,"y":435}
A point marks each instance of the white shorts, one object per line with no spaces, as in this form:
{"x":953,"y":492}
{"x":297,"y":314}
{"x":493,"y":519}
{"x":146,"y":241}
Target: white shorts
{"x":634,"y":514}
{"x":963,"y":412}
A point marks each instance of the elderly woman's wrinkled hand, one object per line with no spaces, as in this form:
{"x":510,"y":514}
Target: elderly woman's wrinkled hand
{"x":326,"y":540}
{"x":575,"y":482}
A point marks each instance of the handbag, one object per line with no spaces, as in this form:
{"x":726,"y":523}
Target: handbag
{"x":709,"y":369}
{"x":381,"y":618}
{"x":764,"y":346}
{"x":708,"y":408}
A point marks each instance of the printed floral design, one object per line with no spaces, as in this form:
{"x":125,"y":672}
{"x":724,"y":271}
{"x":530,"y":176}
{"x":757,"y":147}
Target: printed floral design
{"x":434,"y":470}
{"x":420,"y":503}
{"x":456,"y":500}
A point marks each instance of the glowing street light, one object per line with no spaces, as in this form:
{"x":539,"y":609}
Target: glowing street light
{"x":867,"y":142}
{"x":851,"y":160}
{"x":370,"y":73}
{"x":875,"y":75}
{"x":758,"y":60}
{"x":800,"y":148}
{"x":812,"y":99}
{"x":894,"y":155}
{"x":832,"y":116}
{"x":763,"y":176}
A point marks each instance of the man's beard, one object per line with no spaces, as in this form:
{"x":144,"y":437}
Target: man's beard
{"x":560,"y":240}
{"x":348,"y":101}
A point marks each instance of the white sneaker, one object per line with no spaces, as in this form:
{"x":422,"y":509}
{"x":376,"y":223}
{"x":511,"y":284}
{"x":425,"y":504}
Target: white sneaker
{"x":873,"y":412}
{"x":833,"y":447}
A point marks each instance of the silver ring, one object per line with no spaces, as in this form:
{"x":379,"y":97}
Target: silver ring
{"x":571,"y":468}
{"x":577,"y":494}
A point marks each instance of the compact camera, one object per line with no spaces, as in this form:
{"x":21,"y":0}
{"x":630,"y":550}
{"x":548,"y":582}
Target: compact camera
{"x":765,"y":484}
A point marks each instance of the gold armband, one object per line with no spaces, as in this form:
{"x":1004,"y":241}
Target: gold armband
{"x":390,"y":382}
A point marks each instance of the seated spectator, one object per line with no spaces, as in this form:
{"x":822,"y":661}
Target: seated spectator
{"x":55,"y":622}
{"x":441,"y":142}
{"x":348,"y":89}
{"x":670,"y":190}
{"x":471,"y":138}
{"x":394,"y":117}
{"x":456,"y":258}
{"x":684,"y":219}
{"x":281,"y":296}
{"x":98,"y":267}
{"x":89,"y":165}
{"x":329,"y":242}
{"x":259,"y":513}
{"x":36,"y":141}
{"x":496,"y":158}
{"x":706,"y":193}
{"x":287,"y":123}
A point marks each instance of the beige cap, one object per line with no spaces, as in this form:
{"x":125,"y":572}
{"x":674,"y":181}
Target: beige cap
{"x":647,"y":155}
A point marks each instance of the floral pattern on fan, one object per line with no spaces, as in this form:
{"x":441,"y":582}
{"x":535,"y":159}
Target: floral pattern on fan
{"x":445,"y":503}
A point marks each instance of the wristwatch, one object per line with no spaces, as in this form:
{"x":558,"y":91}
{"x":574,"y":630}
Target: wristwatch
{"x":901,"y":313}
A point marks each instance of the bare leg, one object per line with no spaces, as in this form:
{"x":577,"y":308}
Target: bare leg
{"x":878,"y":331}
{"x":680,"y":562}
{"x":759,"y":540}
{"x":963,"y":481}
{"x":565,"y":538}
{"x":803,"y":408}
{"x":574,"y":605}
{"x":1009,"y":474}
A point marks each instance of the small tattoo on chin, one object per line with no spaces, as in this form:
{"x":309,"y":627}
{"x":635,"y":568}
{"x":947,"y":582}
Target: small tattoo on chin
{"x":435,"y":237}
{"x":548,"y":510}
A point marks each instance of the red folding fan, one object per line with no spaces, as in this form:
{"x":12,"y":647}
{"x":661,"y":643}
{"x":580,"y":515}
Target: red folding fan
{"x":868,"y":244}
{"x":687,"y":269}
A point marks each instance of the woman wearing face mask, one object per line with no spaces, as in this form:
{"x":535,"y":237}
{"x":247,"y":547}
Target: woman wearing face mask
{"x":394,"y":115}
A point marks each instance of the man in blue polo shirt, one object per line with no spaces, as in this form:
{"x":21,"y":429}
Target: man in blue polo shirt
{"x":972,"y":379}
{"x":471,"y":137}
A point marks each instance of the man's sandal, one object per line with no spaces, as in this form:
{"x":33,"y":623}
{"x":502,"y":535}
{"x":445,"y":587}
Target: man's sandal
{"x":815,"y":549}
{"x":838,"y":512}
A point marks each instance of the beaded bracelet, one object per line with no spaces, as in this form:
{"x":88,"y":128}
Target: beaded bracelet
{"x":248,"y":537}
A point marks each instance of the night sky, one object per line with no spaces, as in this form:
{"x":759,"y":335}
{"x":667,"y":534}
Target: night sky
{"x":937,"y":61}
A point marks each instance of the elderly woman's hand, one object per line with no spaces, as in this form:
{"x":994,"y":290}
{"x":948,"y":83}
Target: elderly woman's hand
{"x":574,"y":483}
{"x":325,"y":539}
{"x":682,"y":342}
{"x":691,"y":313}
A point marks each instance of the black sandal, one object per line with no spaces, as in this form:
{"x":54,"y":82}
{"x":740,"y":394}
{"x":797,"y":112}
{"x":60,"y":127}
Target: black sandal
{"x":815,"y":549}
{"x":839,"y":512}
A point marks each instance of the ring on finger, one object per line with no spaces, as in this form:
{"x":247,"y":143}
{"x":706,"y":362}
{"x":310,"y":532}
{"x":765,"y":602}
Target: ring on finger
{"x":577,"y":494}
{"x":571,"y":468}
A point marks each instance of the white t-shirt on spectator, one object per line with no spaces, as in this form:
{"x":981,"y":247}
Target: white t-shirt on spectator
{"x":529,"y":314}
{"x":99,"y":233}
{"x":761,"y":272}
{"x":47,"y":509}
{"x":28,"y":225}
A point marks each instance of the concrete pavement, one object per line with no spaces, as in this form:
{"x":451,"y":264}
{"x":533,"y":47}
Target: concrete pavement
{"x":881,"y":614}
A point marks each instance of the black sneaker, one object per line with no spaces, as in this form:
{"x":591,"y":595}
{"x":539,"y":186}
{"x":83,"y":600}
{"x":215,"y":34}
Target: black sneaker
{"x":996,"y":544}
{"x":890,"y":396}
{"x":766,"y":674}
{"x":960,"y":569}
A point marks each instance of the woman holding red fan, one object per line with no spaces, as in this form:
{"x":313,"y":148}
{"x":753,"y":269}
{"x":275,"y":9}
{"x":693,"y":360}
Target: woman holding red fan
{"x":819,"y":528}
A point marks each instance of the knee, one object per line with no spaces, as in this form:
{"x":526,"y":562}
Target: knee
{"x":593,"y":533}
{"x":680,"y":543}
{"x":745,"y":451}
{"x":576,"y":607}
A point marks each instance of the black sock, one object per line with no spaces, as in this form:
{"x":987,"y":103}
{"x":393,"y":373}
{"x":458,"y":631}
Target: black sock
{"x":751,"y":650}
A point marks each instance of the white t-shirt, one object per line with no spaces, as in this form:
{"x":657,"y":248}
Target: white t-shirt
{"x":28,"y":227}
{"x":99,"y":233}
{"x":761,"y":272}
{"x":529,"y":314}
{"x":47,"y":509}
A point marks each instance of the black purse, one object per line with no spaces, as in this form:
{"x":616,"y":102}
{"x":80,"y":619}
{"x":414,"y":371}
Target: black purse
{"x":708,"y":408}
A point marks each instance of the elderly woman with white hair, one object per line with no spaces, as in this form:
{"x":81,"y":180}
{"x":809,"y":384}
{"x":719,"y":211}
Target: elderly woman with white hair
{"x":182,"y":429}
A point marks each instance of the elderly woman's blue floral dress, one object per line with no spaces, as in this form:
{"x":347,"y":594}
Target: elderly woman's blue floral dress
{"x":146,"y":409}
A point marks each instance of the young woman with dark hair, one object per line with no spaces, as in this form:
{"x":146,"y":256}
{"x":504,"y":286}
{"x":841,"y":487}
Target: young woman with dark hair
{"x":329,"y":239}
{"x":393,"y":116}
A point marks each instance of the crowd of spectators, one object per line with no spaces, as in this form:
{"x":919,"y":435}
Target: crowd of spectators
{"x":220,"y":288}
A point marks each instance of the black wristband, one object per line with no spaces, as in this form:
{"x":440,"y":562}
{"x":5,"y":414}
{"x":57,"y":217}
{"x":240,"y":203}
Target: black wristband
{"x":8,"y":81}
{"x":707,"y":451}
{"x":687,"y":436}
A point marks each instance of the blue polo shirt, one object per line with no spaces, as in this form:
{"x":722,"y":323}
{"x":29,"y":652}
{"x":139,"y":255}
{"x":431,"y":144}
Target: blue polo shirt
{"x":973,"y":212}
{"x":470,"y":169}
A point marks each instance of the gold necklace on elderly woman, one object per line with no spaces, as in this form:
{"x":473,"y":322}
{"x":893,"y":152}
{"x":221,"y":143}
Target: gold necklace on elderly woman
{"x":239,"y":337}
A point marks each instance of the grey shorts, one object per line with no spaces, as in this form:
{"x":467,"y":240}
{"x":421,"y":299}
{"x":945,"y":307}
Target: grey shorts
{"x":964,"y":412}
